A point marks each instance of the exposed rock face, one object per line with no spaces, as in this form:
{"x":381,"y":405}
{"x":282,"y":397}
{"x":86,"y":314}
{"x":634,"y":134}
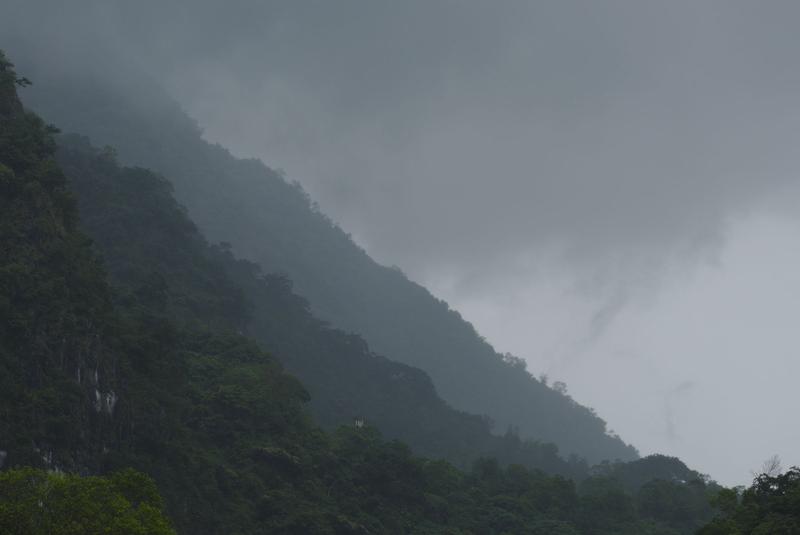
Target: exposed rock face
{"x":54,"y":301}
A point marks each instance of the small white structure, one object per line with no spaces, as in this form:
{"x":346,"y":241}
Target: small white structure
{"x":359,"y":422}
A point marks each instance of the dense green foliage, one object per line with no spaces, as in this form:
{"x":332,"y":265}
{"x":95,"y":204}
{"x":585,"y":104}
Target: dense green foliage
{"x":54,"y":303}
{"x":771,"y":506}
{"x":152,"y":371}
{"x":35,"y":502}
{"x":275,"y":224}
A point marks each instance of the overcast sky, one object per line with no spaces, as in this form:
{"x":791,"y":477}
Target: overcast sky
{"x":608,"y":189}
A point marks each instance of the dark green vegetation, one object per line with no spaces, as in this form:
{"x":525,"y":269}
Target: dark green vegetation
{"x":35,"y":502}
{"x":142,"y":361}
{"x":276,"y":225}
{"x":771,"y":506}
{"x":54,"y":304}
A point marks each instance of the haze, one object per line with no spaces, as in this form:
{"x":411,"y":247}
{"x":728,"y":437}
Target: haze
{"x":606,"y":189}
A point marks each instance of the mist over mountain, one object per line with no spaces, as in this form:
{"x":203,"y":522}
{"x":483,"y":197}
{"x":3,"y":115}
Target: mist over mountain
{"x":544,"y":114}
{"x":526,"y":255}
{"x":344,"y":378}
{"x":124,"y":386}
{"x":274,"y":224}
{"x":546,"y":100}
{"x":561,"y":172}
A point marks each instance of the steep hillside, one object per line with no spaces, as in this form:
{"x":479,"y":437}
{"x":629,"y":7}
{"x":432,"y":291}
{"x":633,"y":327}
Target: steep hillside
{"x":147,"y":241}
{"x":94,"y":380}
{"x":197,"y":406}
{"x":274,"y":224}
{"x":57,"y":364}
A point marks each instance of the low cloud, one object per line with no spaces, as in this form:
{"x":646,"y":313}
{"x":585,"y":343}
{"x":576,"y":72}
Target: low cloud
{"x":542,"y":165}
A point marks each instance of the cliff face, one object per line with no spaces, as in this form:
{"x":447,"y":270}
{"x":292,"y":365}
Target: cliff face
{"x":58,"y":384}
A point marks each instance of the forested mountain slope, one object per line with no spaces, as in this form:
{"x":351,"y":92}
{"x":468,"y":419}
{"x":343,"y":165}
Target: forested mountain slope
{"x":274,"y":224}
{"x":147,"y":241}
{"x":58,"y":362}
{"x":145,"y":368}
{"x":96,"y":378}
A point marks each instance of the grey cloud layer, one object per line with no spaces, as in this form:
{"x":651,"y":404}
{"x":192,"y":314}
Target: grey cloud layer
{"x":449,"y":133}
{"x":502,"y":150}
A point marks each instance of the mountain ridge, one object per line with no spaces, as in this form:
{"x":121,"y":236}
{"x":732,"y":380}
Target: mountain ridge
{"x":203,"y":410}
{"x":148,"y":241}
{"x":275,"y":224}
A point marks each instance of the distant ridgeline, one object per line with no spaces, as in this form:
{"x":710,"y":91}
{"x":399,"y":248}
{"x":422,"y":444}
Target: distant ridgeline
{"x":274,"y":224}
{"x":152,"y":249}
{"x":132,"y":399}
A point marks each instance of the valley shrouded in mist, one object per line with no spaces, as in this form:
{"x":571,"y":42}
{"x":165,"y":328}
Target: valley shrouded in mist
{"x":419,"y":267}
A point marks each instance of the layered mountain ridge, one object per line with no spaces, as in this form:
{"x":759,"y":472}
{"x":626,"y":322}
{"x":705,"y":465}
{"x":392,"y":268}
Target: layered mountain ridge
{"x":276,"y":225}
{"x":130,"y":352}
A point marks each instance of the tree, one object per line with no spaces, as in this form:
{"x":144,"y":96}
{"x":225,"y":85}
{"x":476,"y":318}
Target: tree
{"x":35,"y":502}
{"x":771,"y":506}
